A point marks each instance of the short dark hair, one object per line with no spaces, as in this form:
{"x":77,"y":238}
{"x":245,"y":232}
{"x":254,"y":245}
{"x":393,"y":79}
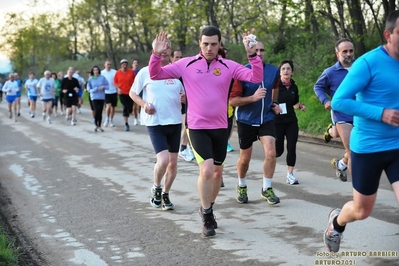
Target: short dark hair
{"x":211,"y":31}
{"x":173,"y":52}
{"x":31,"y":72}
{"x":92,"y":72}
{"x":341,"y":40}
{"x":135,"y":59}
{"x":52,"y":73}
{"x":390,"y":23}
{"x":286,"y":61}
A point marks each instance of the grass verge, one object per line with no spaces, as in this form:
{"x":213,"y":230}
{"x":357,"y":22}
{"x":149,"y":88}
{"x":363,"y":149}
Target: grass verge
{"x":8,"y":253}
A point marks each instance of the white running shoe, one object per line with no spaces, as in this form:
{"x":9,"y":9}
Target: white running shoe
{"x":190,"y":153}
{"x":112,"y":123}
{"x":106,"y":122}
{"x":291,"y":179}
{"x":49,"y":120}
{"x":44,"y":116}
{"x":135,"y":122}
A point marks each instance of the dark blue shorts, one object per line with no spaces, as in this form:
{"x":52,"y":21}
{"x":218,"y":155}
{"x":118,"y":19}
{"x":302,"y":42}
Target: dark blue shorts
{"x":367,"y":169}
{"x":165,"y":137}
{"x":33,"y":98}
{"x":48,"y":100}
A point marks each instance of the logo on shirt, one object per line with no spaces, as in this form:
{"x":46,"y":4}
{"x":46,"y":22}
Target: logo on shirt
{"x":199,"y":71}
{"x":216,"y":72}
{"x":169,"y":82}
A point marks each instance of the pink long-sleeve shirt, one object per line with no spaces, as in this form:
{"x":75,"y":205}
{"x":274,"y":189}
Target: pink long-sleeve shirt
{"x":207,"y":85}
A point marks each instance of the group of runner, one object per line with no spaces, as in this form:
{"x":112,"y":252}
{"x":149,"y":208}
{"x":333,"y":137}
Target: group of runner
{"x":204,"y":84}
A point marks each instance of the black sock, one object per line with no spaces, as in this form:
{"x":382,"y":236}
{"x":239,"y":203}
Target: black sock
{"x":338,"y":227}
{"x":183,"y":147}
{"x":126,"y":124}
{"x":212,"y":204}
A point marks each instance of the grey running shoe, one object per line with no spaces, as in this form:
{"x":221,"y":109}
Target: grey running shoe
{"x":269,"y":196}
{"x":331,"y":237}
{"x":127,"y":128}
{"x":201,"y":214}
{"x":208,"y":228}
{"x":341,"y":174}
{"x":242,"y":196}
{"x":291,"y":179}
{"x":166,"y":204}
{"x":156,"y":197}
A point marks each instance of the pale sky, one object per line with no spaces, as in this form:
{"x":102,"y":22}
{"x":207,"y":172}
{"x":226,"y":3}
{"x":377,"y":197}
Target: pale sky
{"x":21,"y":6}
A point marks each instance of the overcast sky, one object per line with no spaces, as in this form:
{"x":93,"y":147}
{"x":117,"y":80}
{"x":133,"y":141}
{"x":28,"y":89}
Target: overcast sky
{"x":23,"y":5}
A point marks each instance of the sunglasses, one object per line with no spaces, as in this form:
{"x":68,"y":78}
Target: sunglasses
{"x":260,"y":50}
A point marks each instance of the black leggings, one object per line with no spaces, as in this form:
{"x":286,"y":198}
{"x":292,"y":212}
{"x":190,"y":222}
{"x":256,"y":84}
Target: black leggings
{"x":290,"y":132}
{"x":98,"y":111}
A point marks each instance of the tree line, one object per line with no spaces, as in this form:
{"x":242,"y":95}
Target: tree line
{"x":302,"y":30}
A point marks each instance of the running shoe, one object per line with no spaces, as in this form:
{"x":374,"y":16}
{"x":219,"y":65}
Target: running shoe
{"x":10,"y":115}
{"x":111,"y":123}
{"x":208,"y":228}
{"x":327,"y":136}
{"x":127,"y":128}
{"x":341,"y":174}
{"x":166,"y":203}
{"x":291,"y":179}
{"x":156,"y":197}
{"x":185,"y":155}
{"x":48,"y":120}
{"x":201,"y":214}
{"x":331,"y":237}
{"x":44,"y":116}
{"x":190,"y":153}
{"x":242,"y":196}
{"x":229,"y":147}
{"x":135,"y":122}
{"x":32,"y":115}
{"x":269,"y":196}
{"x":95,"y":129}
{"x":101,"y":130}
{"x":73,"y":122}
{"x":106,"y":122}
{"x":19,"y":114}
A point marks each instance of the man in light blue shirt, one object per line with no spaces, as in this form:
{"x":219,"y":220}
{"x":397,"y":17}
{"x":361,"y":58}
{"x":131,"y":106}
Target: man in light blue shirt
{"x":374,"y":140}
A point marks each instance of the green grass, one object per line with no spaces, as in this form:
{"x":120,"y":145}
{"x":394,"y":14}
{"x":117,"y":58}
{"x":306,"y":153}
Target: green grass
{"x":8,"y":253}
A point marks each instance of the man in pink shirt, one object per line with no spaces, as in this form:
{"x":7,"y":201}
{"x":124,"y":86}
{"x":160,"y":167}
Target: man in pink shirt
{"x":207,"y":77}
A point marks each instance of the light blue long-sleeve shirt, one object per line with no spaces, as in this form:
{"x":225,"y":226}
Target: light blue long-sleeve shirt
{"x":372,"y":80}
{"x":94,"y":83}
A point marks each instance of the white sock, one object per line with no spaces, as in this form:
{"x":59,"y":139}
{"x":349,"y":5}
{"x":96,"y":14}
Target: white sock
{"x":341,"y":165}
{"x":242,"y":182}
{"x":267,"y":182}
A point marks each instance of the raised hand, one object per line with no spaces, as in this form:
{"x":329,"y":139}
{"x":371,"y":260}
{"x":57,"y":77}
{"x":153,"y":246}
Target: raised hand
{"x":160,"y":43}
{"x":249,"y":41}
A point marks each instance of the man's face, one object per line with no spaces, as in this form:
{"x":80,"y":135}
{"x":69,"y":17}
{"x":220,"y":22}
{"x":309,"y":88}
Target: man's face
{"x":31,"y":76}
{"x":209,"y":46}
{"x":135,"y":64}
{"x":16,"y":76}
{"x":12,"y":77}
{"x":345,"y":53}
{"x":70,"y":72}
{"x":260,"y":50}
{"x":124,"y":66}
{"x":393,"y":39}
{"x":176,"y":56}
{"x":165,"y":56}
{"x":47,"y":75}
{"x":107,"y":65}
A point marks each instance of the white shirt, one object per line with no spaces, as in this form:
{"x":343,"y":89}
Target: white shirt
{"x":31,"y":86}
{"x":164,"y":95}
{"x":11,"y":87}
{"x":109,"y":75}
{"x":47,"y":88}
